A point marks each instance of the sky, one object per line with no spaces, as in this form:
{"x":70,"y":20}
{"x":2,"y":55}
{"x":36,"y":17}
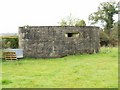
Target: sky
{"x":16,"y":13}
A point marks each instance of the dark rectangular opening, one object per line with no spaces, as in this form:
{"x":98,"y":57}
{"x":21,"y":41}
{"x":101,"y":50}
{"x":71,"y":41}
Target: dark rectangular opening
{"x":71,"y":34}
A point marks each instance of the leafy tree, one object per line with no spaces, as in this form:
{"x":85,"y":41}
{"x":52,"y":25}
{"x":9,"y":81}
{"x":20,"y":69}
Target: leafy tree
{"x":114,"y":34}
{"x":10,"y":43}
{"x":63,"y":22}
{"x":114,"y":31}
{"x":105,"y":13}
{"x":71,"y":21}
{"x":80,"y":23}
{"x":104,"y":38}
{"x":113,"y":39}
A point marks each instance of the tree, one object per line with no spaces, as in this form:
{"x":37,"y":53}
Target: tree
{"x":105,"y":13}
{"x":10,"y":43}
{"x":104,"y":38}
{"x":114,"y":34}
{"x":63,"y":22}
{"x":80,"y":23}
{"x":71,"y":21}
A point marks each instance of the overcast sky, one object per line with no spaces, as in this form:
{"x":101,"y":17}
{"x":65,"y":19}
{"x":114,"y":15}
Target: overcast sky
{"x":15,"y":13}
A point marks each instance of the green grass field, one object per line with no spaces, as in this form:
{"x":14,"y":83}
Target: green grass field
{"x":75,"y":71}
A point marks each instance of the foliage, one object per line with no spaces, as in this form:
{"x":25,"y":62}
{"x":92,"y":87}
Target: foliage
{"x":103,"y":36}
{"x":10,"y":43}
{"x":77,"y":71}
{"x":114,"y":31}
{"x":71,"y":21}
{"x":63,"y":22}
{"x":113,"y":38}
{"x":105,"y":13}
{"x":118,"y":24}
{"x":80,"y":23}
{"x":114,"y":35}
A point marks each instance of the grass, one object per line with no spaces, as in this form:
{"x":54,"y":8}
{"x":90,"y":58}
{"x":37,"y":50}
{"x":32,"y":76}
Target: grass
{"x":5,"y":82}
{"x":75,"y":71}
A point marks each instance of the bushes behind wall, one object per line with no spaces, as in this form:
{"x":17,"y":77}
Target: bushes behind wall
{"x":8,"y":42}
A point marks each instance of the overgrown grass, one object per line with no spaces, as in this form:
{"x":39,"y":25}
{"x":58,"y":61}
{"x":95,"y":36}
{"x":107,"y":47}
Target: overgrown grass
{"x":75,"y":71}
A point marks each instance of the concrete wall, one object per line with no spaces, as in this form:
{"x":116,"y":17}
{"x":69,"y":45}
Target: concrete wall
{"x":58,"y":41}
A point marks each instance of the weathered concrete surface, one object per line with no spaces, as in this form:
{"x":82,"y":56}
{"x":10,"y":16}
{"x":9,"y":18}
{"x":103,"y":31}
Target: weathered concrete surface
{"x":58,"y":41}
